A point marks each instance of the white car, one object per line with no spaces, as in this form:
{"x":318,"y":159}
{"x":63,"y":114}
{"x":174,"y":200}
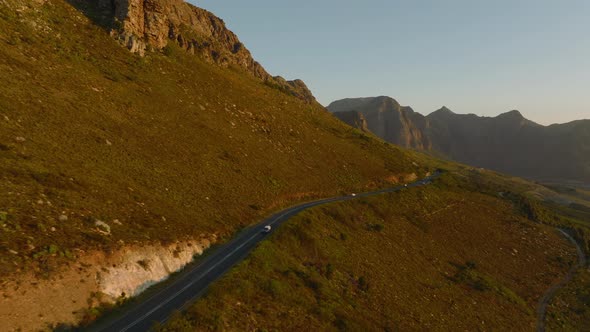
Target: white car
{"x":266,"y":229}
{"x":353,"y":195}
{"x":405,"y":185}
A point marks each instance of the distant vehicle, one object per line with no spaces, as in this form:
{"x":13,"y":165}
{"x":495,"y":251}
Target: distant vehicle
{"x":266,"y":229}
{"x":353,"y":195}
{"x":405,"y":185}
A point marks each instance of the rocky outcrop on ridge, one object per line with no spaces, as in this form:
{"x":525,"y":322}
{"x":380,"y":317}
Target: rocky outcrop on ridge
{"x":144,"y":25}
{"x":386,"y":118}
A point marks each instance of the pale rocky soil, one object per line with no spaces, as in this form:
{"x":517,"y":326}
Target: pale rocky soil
{"x":32,"y":304}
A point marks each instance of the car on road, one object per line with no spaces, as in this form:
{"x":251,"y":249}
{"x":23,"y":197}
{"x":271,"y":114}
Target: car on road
{"x":353,"y":195}
{"x":406,"y":185}
{"x":266,"y":229}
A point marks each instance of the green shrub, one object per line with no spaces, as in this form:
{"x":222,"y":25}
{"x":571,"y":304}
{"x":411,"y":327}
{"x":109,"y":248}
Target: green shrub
{"x":170,"y":50}
{"x":375,"y":227}
{"x":329,"y":271}
{"x":52,"y":249}
{"x":144,"y":263}
{"x":275,"y":288}
{"x":363,"y":284}
{"x":340,"y":324}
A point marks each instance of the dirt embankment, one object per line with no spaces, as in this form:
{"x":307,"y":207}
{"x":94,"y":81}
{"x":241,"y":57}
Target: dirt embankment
{"x":29,"y":303}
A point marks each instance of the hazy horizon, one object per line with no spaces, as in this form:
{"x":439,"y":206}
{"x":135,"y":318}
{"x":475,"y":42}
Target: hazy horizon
{"x":482,"y":58}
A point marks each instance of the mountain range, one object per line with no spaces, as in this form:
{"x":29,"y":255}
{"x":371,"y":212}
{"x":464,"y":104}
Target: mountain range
{"x":507,"y":143}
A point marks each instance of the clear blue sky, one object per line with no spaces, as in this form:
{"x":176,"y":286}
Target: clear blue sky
{"x":483,"y":57}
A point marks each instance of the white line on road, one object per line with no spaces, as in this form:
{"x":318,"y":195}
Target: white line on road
{"x":275,"y":220}
{"x":135,"y":322}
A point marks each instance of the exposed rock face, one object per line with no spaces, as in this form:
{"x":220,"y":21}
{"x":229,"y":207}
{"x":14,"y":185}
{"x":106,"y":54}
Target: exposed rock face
{"x":142,"y":25}
{"x":355,"y":119}
{"x":133,"y":270}
{"x":31,"y":304}
{"x":386,"y":118}
{"x":508,"y":143}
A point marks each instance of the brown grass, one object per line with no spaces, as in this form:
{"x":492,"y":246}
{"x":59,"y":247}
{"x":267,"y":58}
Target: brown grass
{"x":445,"y":259}
{"x":570,"y":309}
{"x":167,"y":145}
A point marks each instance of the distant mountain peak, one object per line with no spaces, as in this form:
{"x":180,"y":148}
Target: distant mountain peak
{"x":385,"y":98}
{"x":355,"y":104}
{"x":443,"y":111}
{"x":507,"y":142}
{"x":517,"y":117}
{"x":512,"y":114}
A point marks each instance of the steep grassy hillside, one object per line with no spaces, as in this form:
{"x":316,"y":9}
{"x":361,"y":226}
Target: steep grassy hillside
{"x":440,"y":257}
{"x":100,"y":147}
{"x":570,"y":310}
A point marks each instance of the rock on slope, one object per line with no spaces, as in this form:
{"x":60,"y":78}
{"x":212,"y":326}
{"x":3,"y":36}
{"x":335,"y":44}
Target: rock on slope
{"x":507,"y":143}
{"x":143,"y":25}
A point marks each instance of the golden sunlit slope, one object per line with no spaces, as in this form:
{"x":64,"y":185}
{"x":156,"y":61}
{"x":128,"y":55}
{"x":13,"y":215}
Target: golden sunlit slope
{"x":156,"y":148}
{"x":442,"y":257}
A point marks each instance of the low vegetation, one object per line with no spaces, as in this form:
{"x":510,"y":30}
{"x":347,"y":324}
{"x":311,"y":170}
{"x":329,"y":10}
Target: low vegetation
{"x":570,"y":309}
{"x":100,"y":148}
{"x":445,"y":258}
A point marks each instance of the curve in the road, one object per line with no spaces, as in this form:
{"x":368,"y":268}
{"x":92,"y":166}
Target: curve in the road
{"x":192,"y":282}
{"x":544,"y":302}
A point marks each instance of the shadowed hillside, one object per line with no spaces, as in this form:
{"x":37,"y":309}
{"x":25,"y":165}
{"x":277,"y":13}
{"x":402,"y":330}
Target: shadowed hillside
{"x":508,"y":143}
{"x":385,"y":118}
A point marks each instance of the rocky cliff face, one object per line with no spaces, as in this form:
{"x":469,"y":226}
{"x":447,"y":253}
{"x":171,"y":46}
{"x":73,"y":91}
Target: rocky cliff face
{"x":386,"y":118}
{"x":144,"y":25}
{"x":508,"y":143}
{"x":355,"y":119}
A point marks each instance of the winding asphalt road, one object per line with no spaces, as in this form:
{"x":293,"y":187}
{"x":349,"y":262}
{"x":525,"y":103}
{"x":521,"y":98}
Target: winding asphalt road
{"x":544,"y":302}
{"x":192,"y":282}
